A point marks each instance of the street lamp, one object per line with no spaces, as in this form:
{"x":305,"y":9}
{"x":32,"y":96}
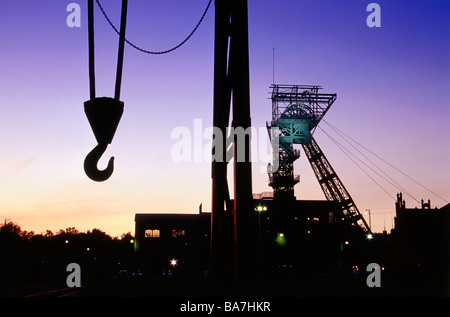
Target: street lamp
{"x":370,"y":218}
{"x":259,"y":209}
{"x":281,"y":240}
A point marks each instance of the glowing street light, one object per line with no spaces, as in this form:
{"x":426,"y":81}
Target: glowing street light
{"x":281,"y":240}
{"x":367,"y":211}
{"x":260,"y":208}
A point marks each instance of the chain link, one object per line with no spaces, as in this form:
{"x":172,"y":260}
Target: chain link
{"x":154,"y":52}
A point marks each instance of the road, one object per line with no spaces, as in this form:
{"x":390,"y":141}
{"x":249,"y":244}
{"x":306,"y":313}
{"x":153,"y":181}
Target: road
{"x":113,"y":287}
{"x":49,"y":290}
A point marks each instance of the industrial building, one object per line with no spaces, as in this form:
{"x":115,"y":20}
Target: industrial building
{"x":294,"y":238}
{"x":418,"y":248}
{"x":165,"y":242}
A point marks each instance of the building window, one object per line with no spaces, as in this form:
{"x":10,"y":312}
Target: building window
{"x":152,"y":233}
{"x":330,"y":217}
{"x":177,"y":233}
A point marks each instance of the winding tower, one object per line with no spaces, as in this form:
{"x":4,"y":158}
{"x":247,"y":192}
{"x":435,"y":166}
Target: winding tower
{"x":296,"y":112}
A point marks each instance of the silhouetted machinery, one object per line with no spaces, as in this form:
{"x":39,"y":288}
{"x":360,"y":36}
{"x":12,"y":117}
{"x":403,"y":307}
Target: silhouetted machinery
{"x":296,"y":111}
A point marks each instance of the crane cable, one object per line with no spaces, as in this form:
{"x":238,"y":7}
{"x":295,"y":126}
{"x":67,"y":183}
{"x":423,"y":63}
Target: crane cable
{"x":392,"y":181}
{"x":154,"y":52}
{"x":343,"y":149}
{"x":92,"y":49}
{"x":344,"y":136}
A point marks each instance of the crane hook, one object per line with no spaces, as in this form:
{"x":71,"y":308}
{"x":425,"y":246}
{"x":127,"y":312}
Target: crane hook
{"x":91,"y":161}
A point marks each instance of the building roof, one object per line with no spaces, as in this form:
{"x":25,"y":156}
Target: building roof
{"x":170,"y":216}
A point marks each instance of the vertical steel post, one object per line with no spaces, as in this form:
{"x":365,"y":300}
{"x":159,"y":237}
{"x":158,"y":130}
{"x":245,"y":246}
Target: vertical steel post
{"x":231,"y":84}
{"x":221,"y":217}
{"x":244,"y":215}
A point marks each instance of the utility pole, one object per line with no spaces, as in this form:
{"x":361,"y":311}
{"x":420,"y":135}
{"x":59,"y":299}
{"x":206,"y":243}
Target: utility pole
{"x":370,"y":218}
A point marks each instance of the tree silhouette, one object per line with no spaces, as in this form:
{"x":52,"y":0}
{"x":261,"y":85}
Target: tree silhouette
{"x":10,"y":228}
{"x":28,"y":258}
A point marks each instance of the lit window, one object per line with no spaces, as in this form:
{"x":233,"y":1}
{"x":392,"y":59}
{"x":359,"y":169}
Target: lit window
{"x":152,"y":233}
{"x":176,"y":233}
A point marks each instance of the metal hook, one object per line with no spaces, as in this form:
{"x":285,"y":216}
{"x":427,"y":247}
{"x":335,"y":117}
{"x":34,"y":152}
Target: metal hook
{"x":91,"y":161}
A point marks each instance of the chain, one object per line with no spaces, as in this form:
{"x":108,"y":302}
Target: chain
{"x":154,"y":52}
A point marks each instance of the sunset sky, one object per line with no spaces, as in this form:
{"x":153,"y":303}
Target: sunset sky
{"x":392,"y":83}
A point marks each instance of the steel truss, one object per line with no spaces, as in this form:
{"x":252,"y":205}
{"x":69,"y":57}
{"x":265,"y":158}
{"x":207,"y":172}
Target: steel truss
{"x":296,"y":111}
{"x":332,"y":186}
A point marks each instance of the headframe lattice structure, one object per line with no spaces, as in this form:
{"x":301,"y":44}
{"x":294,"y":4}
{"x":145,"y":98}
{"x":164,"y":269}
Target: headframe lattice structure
{"x":296,"y":111}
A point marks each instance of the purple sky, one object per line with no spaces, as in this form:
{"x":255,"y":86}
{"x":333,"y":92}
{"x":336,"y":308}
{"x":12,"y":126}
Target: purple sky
{"x":392,"y":82}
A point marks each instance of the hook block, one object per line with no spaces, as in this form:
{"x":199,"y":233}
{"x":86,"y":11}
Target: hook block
{"x":104,"y":114}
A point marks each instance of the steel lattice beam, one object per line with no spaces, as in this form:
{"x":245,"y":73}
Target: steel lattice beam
{"x":296,"y":110}
{"x":332,"y":186}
